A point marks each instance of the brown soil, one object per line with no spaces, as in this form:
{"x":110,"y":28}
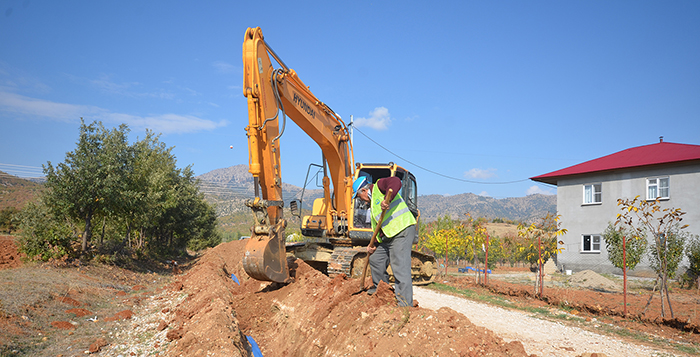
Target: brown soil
{"x":69,"y":301}
{"x":79,"y":312}
{"x":121,"y":315}
{"x":9,"y":257}
{"x":65,"y":325}
{"x":97,"y":345}
{"x":312,"y":316}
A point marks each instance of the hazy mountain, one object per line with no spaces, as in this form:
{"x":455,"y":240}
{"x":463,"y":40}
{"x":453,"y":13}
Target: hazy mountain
{"x":229,"y":187}
{"x":527,"y":209}
{"x":16,"y":192}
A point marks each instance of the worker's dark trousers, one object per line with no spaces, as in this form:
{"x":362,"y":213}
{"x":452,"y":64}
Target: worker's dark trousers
{"x":397,"y":252}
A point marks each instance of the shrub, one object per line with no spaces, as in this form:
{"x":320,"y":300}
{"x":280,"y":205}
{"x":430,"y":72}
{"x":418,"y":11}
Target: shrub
{"x":692,"y":251}
{"x":43,"y":237}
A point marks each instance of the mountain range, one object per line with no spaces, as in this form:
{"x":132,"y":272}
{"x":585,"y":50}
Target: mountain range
{"x":16,"y":192}
{"x":228,"y":188}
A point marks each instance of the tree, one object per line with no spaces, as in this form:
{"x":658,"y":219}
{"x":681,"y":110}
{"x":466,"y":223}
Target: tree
{"x":8,"y":219}
{"x":648,"y":218}
{"x":479,"y":243}
{"x":448,"y":242}
{"x":430,"y":238}
{"x":540,"y":239}
{"x":692,"y":251}
{"x":44,"y":236}
{"x":541,"y":243}
{"x":635,"y":247}
{"x":128,"y":188}
{"x":625,"y":251}
{"x":87,"y":183}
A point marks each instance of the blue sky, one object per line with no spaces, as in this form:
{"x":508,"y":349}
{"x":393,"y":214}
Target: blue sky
{"x":482,"y":91}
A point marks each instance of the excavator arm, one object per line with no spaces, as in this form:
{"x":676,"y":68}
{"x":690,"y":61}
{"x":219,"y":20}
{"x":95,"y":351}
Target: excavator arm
{"x":273,"y":94}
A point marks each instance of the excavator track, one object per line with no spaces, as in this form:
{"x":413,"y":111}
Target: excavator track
{"x":342,"y":261}
{"x":423,"y":268}
{"x":351,"y":260}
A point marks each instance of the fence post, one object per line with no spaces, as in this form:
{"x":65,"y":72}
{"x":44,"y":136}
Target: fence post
{"x":486,"y":264}
{"x":624,"y":275}
{"x":539,"y":261}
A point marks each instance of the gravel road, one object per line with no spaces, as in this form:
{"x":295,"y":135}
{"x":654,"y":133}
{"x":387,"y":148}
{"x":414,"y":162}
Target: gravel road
{"x":540,"y":337}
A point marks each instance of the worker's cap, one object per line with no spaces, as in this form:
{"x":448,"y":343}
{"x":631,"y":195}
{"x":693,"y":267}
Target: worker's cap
{"x":359,"y":183}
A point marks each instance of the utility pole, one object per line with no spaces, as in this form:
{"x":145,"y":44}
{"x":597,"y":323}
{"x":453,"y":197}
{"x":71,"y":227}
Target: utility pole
{"x":352,"y":143}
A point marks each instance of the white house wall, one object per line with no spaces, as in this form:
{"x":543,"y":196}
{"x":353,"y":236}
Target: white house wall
{"x":582,"y":219}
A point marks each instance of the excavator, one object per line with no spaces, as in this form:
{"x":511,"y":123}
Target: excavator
{"x":335,"y":236}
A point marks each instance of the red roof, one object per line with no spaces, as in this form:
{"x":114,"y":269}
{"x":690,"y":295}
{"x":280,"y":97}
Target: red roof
{"x":654,"y":154}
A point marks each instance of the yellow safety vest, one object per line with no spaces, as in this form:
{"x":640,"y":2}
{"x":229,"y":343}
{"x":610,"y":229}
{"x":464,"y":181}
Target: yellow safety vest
{"x":396,"y":218}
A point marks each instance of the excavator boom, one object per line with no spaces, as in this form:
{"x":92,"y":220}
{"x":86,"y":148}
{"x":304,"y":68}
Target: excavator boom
{"x":273,"y":94}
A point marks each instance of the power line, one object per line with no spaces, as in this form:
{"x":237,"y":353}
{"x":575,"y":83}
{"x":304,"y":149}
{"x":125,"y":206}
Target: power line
{"x":23,"y":166}
{"x":435,"y":172}
{"x":22,"y":171}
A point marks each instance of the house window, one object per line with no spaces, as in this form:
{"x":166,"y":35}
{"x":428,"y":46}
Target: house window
{"x":590,"y":243}
{"x":657,"y":188}
{"x":593,"y":193}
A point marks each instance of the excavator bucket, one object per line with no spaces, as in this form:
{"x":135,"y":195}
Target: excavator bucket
{"x":265,"y":258}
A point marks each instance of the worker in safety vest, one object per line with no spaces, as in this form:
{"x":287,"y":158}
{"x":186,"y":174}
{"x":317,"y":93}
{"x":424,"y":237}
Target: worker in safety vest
{"x":395,"y":237}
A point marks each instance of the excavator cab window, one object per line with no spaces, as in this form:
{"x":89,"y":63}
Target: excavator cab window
{"x":409,"y":188}
{"x":361,"y":217}
{"x":410,"y":193}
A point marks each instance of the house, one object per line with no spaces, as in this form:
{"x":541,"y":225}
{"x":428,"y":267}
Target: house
{"x":587,"y":196}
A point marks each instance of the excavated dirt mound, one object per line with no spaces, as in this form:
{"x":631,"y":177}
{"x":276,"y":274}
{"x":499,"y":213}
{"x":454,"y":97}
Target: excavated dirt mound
{"x":592,"y":280}
{"x":312,"y":316}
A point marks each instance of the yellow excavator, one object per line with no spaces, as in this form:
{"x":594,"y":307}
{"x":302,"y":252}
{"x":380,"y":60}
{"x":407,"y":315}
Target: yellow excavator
{"x":336,"y":232}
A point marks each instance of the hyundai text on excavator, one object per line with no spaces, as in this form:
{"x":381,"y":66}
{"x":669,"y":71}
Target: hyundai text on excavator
{"x":336,"y":236}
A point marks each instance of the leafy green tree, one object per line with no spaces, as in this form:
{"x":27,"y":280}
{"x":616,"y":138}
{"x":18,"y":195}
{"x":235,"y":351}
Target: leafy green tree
{"x":668,"y":251}
{"x":88,"y":182}
{"x":635,"y":246}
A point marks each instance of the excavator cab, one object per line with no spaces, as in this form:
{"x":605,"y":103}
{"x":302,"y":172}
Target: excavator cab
{"x":361,"y":230}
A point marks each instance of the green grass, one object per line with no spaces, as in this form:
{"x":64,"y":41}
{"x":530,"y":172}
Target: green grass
{"x":473,"y":295}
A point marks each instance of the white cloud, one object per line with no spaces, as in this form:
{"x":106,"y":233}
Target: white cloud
{"x":533,"y":190}
{"x":162,"y":123}
{"x":12,"y":79}
{"x":224,"y":67}
{"x":484,"y":193}
{"x":19,"y":104}
{"x":379,"y":119}
{"x":104,"y":83}
{"x":480,"y":173}
{"x":167,"y":123}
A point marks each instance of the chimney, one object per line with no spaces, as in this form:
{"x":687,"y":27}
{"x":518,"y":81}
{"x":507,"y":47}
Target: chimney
{"x":661,"y":139}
